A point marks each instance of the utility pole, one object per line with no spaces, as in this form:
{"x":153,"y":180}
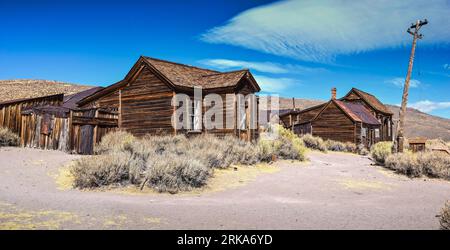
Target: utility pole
{"x":414,"y":31}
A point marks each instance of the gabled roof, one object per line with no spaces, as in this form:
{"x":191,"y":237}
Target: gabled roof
{"x":370,"y":100}
{"x":190,"y":76}
{"x":355,"y":111}
{"x":181,"y":76}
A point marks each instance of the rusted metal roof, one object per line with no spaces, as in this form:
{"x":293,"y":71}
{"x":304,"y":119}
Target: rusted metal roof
{"x":372,"y":101}
{"x":357,"y":112}
{"x":70,"y":101}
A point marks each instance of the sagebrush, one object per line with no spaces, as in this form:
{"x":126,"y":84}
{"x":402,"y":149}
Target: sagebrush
{"x":8,"y":138}
{"x":444,"y":217}
{"x":431,"y":164}
{"x":380,"y":151}
{"x":314,"y":142}
{"x":175,"y":163}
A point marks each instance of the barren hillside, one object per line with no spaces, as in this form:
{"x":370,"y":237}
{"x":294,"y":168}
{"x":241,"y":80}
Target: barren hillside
{"x":25,"y":88}
{"x":417,"y":123}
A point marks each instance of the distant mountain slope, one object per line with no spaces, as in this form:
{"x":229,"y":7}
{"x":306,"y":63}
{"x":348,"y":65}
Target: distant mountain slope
{"x":417,"y":122}
{"x":26,"y":88}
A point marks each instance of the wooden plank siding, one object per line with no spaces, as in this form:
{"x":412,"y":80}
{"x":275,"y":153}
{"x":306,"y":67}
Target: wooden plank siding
{"x":10,"y":114}
{"x":146,"y":105}
{"x":333,"y":124}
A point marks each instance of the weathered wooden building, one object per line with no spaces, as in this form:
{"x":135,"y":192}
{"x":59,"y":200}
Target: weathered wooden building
{"x":11,"y":111}
{"x":141,"y":103}
{"x":358,"y":117}
{"x":66,"y":126}
{"x":143,"y":99}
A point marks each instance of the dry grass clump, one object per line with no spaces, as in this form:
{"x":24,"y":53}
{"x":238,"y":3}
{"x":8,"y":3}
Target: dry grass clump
{"x":101,"y":170}
{"x":314,"y":142}
{"x":362,"y":150}
{"x":380,"y":151}
{"x":404,"y":163}
{"x":336,"y":146}
{"x":174,"y":163}
{"x":435,"y":164}
{"x":173,"y":174}
{"x":287,"y":146}
{"x":431,"y":164}
{"x":348,"y":147}
{"x":114,"y":142}
{"x":8,"y":138}
{"x":444,"y":217}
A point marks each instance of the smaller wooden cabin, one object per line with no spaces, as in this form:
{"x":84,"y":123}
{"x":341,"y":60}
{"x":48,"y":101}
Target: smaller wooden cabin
{"x":358,"y":117}
{"x":66,"y":127}
{"x":11,"y":111}
{"x":417,"y":144}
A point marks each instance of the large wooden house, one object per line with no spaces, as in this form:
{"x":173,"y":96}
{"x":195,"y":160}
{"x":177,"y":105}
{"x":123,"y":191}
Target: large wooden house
{"x":143,"y":99}
{"x":358,"y":117}
{"x":141,"y":104}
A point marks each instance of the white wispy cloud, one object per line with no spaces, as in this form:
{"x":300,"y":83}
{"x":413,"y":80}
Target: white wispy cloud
{"x":276,"y":85}
{"x":265,"y":67}
{"x":428,"y":106}
{"x":322,"y":29}
{"x":447,"y":66}
{"x":399,"y":81}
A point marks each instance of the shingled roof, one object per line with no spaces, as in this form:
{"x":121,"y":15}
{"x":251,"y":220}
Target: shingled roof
{"x":180,"y":76}
{"x":190,"y":76}
{"x":372,"y":101}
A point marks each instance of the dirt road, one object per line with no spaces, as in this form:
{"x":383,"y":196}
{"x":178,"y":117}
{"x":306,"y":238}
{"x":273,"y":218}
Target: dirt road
{"x":333,"y":191}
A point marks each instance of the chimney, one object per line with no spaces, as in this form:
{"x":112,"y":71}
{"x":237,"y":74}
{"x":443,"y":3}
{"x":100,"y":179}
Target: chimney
{"x":333,"y":94}
{"x":293,"y":103}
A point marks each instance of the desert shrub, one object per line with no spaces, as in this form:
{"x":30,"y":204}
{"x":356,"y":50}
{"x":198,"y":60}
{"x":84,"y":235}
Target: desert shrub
{"x":266,"y":150}
{"x":362,"y":150}
{"x":114,"y":142}
{"x":404,"y":163}
{"x":174,"y":163}
{"x":8,"y":138}
{"x":170,"y":174}
{"x":222,"y":152}
{"x":314,"y":142}
{"x":444,"y":217}
{"x":351,"y":147}
{"x":380,"y":151}
{"x":286,"y":146}
{"x":335,"y":146}
{"x":101,"y":170}
{"x":173,"y":144}
{"x":434,"y":164}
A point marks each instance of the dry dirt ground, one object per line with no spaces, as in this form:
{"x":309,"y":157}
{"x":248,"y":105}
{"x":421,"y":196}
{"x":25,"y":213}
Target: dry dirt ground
{"x":332,"y":191}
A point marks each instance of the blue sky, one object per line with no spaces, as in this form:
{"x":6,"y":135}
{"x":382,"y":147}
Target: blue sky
{"x":294,"y":48}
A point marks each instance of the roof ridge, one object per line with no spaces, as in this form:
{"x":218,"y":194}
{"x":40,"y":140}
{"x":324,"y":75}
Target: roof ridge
{"x":180,"y":64}
{"x":227,"y":72}
{"x":362,"y":91}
